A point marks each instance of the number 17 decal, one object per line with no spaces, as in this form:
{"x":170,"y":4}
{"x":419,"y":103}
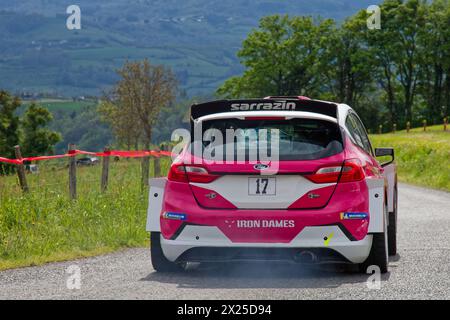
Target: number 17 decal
{"x":261,"y":186}
{"x":264,"y":182}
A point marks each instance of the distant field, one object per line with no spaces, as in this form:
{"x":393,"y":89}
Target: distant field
{"x":423,"y":158}
{"x":66,"y":105}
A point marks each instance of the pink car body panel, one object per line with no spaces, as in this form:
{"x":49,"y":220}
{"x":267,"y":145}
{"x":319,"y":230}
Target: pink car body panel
{"x":347,"y":197}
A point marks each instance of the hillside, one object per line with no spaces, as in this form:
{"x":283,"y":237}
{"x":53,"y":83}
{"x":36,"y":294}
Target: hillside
{"x":198,"y":38}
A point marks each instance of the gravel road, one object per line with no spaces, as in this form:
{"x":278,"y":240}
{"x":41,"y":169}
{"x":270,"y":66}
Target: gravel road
{"x":421,"y":270}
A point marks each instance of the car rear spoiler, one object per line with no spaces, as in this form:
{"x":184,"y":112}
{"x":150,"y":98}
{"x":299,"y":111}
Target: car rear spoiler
{"x":269,"y":103}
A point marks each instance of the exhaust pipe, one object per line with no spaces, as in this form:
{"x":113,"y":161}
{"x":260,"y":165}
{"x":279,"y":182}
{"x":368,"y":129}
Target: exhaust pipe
{"x":305,"y":257}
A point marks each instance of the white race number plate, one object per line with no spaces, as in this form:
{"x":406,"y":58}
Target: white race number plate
{"x":262,"y":186}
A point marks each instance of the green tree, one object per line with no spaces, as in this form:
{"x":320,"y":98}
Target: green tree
{"x":142,"y":92}
{"x":281,"y":58}
{"x":347,"y":65}
{"x":395,"y":74}
{"x":37,"y":138}
{"x":398,"y":53}
{"x":9,"y":127}
{"x":410,"y":19}
{"x":122,"y":122}
{"x":434,"y":86}
{"x":382,"y":44}
{"x":137,"y":100}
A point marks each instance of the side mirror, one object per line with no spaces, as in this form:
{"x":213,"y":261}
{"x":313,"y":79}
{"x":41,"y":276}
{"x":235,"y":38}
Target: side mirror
{"x":383,"y":152}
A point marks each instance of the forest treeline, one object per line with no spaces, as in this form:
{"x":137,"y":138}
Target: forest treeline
{"x":30,"y":131}
{"x":391,"y":75}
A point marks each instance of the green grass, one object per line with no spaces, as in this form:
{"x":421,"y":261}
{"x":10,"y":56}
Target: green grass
{"x":45,"y":225}
{"x":423,"y":158}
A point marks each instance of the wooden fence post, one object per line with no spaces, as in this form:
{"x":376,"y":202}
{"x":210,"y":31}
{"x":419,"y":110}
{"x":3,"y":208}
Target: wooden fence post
{"x":72,"y":173}
{"x":144,"y":171}
{"x":105,"y":170}
{"x":445,"y":123}
{"x":21,"y":171}
{"x":424,"y":125}
{"x":156,"y":165}
{"x":408,"y":126}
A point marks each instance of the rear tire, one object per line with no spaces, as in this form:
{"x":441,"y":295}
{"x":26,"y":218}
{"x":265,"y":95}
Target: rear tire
{"x":392,"y":228}
{"x":159,"y":261}
{"x":379,"y":252}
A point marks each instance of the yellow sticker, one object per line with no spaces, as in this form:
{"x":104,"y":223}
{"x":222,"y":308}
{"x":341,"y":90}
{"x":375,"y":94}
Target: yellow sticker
{"x":327,"y":239}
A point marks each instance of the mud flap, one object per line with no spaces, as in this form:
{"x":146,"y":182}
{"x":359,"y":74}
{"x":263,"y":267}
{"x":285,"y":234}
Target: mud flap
{"x":390,"y":174}
{"x":376,"y":205}
{"x":155,"y":199}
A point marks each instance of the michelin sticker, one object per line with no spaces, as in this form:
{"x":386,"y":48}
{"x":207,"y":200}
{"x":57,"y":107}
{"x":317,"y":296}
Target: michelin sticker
{"x":175,"y":216}
{"x":353,"y":215}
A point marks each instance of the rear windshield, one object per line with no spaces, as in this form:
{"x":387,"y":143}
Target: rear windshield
{"x":298,"y":139}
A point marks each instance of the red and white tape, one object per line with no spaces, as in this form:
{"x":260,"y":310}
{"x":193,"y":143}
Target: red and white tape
{"x":73,"y":153}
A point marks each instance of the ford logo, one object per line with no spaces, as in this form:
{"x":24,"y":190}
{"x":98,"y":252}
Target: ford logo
{"x":260,"y":166}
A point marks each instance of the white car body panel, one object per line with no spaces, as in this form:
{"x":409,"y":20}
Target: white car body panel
{"x":310,"y":237}
{"x":155,"y":199}
{"x":343,"y":110}
{"x":390,"y":174}
{"x":376,"y":205}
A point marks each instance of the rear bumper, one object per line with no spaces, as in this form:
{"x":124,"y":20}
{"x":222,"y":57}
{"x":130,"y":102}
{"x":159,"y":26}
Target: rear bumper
{"x":206,"y":243}
{"x":202,"y":234}
{"x":265,"y":225}
{"x":243,"y":254}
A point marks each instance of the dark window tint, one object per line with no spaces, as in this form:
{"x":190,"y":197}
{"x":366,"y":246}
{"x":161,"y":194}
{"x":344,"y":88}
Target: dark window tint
{"x":358,"y":132}
{"x":298,"y":139}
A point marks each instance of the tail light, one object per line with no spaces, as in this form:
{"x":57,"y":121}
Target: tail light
{"x":352,"y":170}
{"x":189,"y":173}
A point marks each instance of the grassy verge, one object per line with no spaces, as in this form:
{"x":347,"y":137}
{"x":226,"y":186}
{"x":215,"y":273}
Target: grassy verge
{"x":45,"y":225}
{"x":423,"y":158}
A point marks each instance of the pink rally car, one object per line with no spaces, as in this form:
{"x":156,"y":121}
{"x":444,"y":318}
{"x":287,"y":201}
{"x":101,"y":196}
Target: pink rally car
{"x":325,"y":199}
